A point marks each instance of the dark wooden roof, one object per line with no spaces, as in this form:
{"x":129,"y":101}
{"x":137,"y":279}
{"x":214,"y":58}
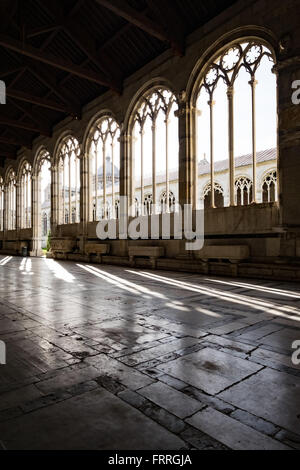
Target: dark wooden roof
{"x":57,"y":55}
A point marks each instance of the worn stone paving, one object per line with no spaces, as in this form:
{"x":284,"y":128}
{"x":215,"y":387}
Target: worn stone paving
{"x":116,"y":358}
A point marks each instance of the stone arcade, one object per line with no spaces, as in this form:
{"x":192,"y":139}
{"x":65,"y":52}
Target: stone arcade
{"x":148,"y":344}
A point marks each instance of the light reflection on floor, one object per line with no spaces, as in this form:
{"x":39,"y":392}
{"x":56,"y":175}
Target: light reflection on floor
{"x":180,"y":356}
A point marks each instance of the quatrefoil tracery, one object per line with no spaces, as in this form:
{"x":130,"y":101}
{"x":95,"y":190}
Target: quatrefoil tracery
{"x":227,"y":66}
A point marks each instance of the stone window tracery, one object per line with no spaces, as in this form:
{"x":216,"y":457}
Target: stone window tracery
{"x":269,"y":187}
{"x":155,"y":144}
{"x":25,"y":195}
{"x":243,"y":191}
{"x":69,"y":180}
{"x":218,"y":195}
{"x":148,"y":205}
{"x":230,"y":108}
{"x":11,"y":200}
{"x":104,"y":164}
{"x":167,"y":203}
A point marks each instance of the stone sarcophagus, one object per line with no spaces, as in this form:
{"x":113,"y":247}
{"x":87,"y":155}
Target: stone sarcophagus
{"x":233,"y":253}
{"x":152,"y":252}
{"x":61,"y":246}
{"x":96,"y":249}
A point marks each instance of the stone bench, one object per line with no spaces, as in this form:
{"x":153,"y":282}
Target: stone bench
{"x":60,"y":247}
{"x":233,"y":253}
{"x":14,"y":246}
{"x":97,"y":249}
{"x":152,"y":252}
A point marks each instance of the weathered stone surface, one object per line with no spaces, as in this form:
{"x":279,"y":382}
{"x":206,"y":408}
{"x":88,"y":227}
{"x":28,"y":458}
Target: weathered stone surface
{"x":271,"y":395}
{"x":157,"y":351}
{"x":210,"y":370}
{"x":67,"y":343}
{"x":175,"y":402}
{"x":132,"y":378}
{"x":95,"y":420}
{"x":232,"y":433}
{"x":257,"y":423}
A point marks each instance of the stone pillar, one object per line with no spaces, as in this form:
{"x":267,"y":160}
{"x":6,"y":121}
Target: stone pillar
{"x":288,"y":70}
{"x":54,"y":218}
{"x":126,"y":168}
{"x":253,"y":84}
{"x":126,"y":179}
{"x":5,"y":210}
{"x":35,"y":216}
{"x":18,"y":207}
{"x":187,"y":178}
{"x":84,"y":199}
{"x":230,"y":96}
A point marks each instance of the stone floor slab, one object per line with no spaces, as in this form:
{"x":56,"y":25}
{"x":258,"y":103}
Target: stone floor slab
{"x":175,"y":402}
{"x":269,"y":394}
{"x":235,"y":435}
{"x":94,"y":420}
{"x":210,"y":370}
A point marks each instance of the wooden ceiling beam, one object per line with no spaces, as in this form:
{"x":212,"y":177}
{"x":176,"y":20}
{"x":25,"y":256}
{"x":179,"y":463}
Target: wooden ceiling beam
{"x":82,"y":39}
{"x":88,"y":46}
{"x":42,"y":102}
{"x":5,"y":73}
{"x":7,"y":154}
{"x":139,"y":19}
{"x":17,"y":142}
{"x":167,"y":16}
{"x":53,"y":61}
{"x":4,"y":121}
{"x":42,"y":30}
{"x":34,"y":115}
{"x":49,"y":81}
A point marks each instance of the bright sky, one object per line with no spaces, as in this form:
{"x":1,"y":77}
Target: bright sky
{"x":45,"y":178}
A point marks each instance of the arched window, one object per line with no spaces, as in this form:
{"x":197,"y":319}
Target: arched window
{"x":137,"y":207}
{"x":167,"y":203}
{"x":236,"y":106}
{"x":104,"y":168}
{"x":117,"y":209}
{"x":1,"y":205}
{"x":73,"y":215}
{"x":148,"y":205}
{"x":155,"y":143}
{"x":269,"y":187}
{"x":42,"y":200}
{"x":69,"y":180}
{"x":25,"y":196}
{"x":218,"y":196}
{"x":243,"y":191}
{"x":11,"y":200}
{"x":107,"y":211}
{"x":45,"y":224}
{"x":66,"y":216}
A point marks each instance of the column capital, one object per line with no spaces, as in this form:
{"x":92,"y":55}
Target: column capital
{"x":253,"y":82}
{"x":184,"y":107}
{"x":230,"y":91}
{"x":184,"y":110}
{"x":125,"y":137}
